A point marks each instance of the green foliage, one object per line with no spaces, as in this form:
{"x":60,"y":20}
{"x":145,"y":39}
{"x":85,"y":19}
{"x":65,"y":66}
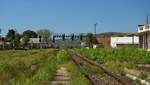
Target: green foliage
{"x":17,"y":39}
{"x":44,"y":33}
{"x":143,"y":76}
{"x":90,"y":39}
{"x":30,"y":34}
{"x":120,"y":54}
{"x":118,"y":58}
{"x":76,"y":76}
{"x":27,"y":67}
{"x":10,"y":35}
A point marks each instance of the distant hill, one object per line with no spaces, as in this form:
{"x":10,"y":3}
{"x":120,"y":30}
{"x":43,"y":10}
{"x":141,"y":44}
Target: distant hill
{"x":114,"y":34}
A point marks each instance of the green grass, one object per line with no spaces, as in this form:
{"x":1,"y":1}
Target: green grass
{"x":24,"y":67}
{"x":77,"y":78}
{"x":34,"y":67}
{"x":27,"y":67}
{"x":118,"y":58}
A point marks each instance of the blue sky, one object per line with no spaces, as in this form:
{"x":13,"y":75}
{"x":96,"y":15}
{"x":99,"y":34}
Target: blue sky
{"x":73,"y":16}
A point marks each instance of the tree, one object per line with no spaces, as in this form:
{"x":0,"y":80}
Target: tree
{"x":90,"y":39}
{"x":10,"y":38}
{"x":10,"y":35}
{"x":24,"y":40}
{"x":30,"y":34}
{"x":13,"y":38}
{"x":17,"y":39}
{"x":44,"y":33}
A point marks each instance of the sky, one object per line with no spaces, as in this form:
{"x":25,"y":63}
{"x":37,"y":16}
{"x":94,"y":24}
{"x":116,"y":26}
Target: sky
{"x":73,"y":16}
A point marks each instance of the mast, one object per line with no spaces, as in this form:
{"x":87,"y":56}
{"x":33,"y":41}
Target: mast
{"x":147,"y":22}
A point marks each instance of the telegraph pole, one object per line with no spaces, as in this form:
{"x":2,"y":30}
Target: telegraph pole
{"x":147,"y":22}
{"x":1,"y":38}
{"x":95,"y":26}
{"x":0,"y":32}
{"x":13,"y":39}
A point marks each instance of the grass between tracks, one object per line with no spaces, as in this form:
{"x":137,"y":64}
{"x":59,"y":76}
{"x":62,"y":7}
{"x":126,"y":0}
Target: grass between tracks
{"x":76,"y":76}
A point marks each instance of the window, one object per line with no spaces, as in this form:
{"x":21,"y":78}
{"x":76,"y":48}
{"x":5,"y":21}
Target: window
{"x":141,"y":28}
{"x":146,"y":27}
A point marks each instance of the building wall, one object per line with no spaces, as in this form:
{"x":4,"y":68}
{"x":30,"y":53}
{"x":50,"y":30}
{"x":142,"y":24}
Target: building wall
{"x":144,"y":36}
{"x":35,"y":43}
{"x":143,"y":28}
{"x":124,"y":41}
{"x":148,"y":40}
{"x":103,"y":42}
{"x":144,"y":41}
{"x":141,"y":41}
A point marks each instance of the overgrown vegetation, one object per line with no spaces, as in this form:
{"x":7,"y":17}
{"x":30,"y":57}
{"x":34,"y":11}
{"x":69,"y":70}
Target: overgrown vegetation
{"x":28,"y":67}
{"x":77,"y":78}
{"x":36,"y":67}
{"x":118,"y":58}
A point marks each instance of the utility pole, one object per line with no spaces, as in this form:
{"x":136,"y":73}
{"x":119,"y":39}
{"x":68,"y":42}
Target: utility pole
{"x":0,"y":32}
{"x":13,"y":37}
{"x":95,"y":26}
{"x":132,"y":39}
{"x":147,"y":22}
{"x":40,"y":40}
{"x":0,"y":38}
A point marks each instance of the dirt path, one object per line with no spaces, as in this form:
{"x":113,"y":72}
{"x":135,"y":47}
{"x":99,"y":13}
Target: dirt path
{"x":62,"y":77}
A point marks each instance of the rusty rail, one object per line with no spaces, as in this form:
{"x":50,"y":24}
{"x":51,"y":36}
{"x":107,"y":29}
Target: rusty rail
{"x":94,"y":80}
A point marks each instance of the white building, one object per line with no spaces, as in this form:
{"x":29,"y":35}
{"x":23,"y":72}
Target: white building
{"x":124,"y":41}
{"x":35,"y":42}
{"x":144,"y":36}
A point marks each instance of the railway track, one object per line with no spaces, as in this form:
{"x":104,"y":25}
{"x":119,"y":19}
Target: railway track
{"x":83,"y":63}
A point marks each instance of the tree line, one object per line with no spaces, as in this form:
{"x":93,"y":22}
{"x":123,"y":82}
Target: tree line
{"x":13,"y":39}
